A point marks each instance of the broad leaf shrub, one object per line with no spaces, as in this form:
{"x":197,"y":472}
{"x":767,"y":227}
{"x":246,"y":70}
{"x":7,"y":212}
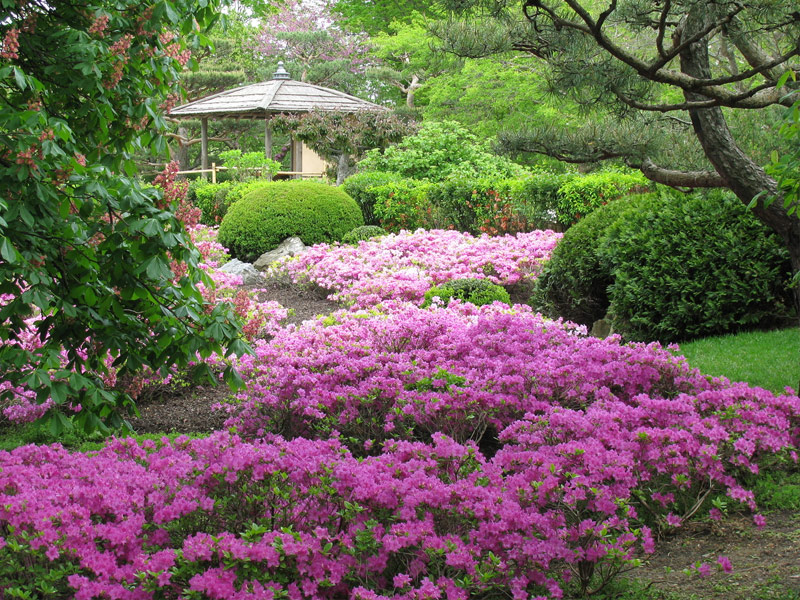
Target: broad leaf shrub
{"x":405,"y":265}
{"x":261,"y":319}
{"x":480,"y":203}
{"x":360,"y":188}
{"x":438,"y":151}
{"x":579,"y":196}
{"x":668,"y":267}
{"x":403,"y":205}
{"x":475,"y":291}
{"x":599,"y":446}
{"x":214,"y":199}
{"x":86,"y":250}
{"x":687,"y":267}
{"x":574,"y":283}
{"x":266,"y":216}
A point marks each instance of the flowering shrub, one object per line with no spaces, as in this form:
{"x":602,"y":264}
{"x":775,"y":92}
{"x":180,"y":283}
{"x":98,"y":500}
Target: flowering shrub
{"x":563,"y":502}
{"x":397,"y":452}
{"x":404,"y":265}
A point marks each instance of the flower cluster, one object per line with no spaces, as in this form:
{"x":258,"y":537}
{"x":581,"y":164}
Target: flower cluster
{"x":394,"y":452}
{"x":405,"y":265}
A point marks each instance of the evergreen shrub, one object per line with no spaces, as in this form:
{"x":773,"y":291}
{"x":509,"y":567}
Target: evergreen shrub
{"x":476,"y":291}
{"x":365,"y":232}
{"x":360,"y":187}
{"x":574,"y":283}
{"x":668,"y":267}
{"x":266,"y":216}
{"x":694,"y":266}
{"x":580,"y":195}
{"x":214,"y":199}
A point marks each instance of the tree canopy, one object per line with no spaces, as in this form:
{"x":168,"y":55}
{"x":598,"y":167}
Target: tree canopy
{"x":98,"y":278}
{"x":671,"y":82}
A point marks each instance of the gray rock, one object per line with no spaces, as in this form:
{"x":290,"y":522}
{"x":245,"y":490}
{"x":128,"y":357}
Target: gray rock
{"x":602,"y":328}
{"x":289,"y":247}
{"x":245,"y":270}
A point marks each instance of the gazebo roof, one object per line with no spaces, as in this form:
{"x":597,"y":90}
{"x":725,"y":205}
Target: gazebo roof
{"x":278,"y":95}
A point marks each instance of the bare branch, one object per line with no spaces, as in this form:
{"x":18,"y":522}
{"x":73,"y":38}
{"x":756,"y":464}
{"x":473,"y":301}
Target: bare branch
{"x":680,"y":179}
{"x":662,"y":28}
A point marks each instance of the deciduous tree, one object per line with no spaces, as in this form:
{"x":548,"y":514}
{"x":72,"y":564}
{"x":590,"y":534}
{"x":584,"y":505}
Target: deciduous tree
{"x":97,"y":274}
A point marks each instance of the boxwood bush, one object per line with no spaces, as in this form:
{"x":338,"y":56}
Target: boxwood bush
{"x":668,"y":267}
{"x":476,"y":291}
{"x":266,"y":216}
{"x":691,"y":267}
{"x":574,"y":283}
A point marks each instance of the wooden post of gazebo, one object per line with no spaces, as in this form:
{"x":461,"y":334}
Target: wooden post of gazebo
{"x":204,"y":146}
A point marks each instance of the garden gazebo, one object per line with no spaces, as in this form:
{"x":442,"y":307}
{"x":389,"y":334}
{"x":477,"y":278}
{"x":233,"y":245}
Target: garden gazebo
{"x":281,"y":94}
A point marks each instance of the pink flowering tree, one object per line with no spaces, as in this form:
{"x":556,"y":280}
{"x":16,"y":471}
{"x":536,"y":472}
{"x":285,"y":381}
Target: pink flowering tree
{"x":306,"y":36}
{"x":85,"y":250}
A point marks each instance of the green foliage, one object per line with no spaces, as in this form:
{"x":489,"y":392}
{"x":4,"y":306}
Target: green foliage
{"x":86,"y":250}
{"x":249,"y":166}
{"x":536,"y":198}
{"x":667,"y":267}
{"x":579,"y":196}
{"x":766,"y":359}
{"x":265,"y":217}
{"x":438,"y":151}
{"x":331,"y":133}
{"x":214,"y":199}
{"x":360,"y":188}
{"x":403,"y":204}
{"x":693,"y":266}
{"x":477,"y":291}
{"x":365,"y":232}
{"x":574,"y":283}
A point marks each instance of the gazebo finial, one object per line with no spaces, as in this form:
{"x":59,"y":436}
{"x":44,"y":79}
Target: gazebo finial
{"x":281,"y":73}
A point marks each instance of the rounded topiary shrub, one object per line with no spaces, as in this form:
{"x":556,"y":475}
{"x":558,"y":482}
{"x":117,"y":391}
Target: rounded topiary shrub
{"x":667,"y":267}
{"x":476,"y":291}
{"x":263,"y":218}
{"x":365,"y":232}
{"x":574,"y":284}
{"x":687,"y":267}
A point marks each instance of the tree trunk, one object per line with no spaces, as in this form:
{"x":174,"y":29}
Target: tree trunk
{"x":343,"y":168}
{"x":741,"y":174}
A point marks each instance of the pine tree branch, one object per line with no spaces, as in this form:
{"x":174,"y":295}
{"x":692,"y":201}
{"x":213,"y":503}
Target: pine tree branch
{"x":679,"y":179}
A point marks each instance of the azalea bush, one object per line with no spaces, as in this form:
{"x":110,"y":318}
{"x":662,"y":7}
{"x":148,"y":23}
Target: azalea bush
{"x":389,"y":451}
{"x":599,"y":445}
{"x":405,"y":265}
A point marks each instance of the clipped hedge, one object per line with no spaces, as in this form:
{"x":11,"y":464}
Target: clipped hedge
{"x":266,"y":216}
{"x":668,"y":267}
{"x":580,"y":195}
{"x":692,"y":267}
{"x":476,"y":291}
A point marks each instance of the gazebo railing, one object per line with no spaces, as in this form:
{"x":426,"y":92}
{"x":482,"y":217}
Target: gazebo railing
{"x":215,"y":169}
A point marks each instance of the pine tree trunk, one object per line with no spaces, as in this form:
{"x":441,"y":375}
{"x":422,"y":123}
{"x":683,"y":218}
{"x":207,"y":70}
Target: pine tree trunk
{"x":741,"y":174}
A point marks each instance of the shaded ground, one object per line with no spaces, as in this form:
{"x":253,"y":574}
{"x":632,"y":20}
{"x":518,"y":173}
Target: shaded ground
{"x":765,"y":562}
{"x":188,"y":409}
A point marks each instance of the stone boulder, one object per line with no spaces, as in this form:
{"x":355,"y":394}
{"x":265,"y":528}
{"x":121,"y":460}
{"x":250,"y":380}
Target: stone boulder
{"x":289,"y":247}
{"x":245,"y":270}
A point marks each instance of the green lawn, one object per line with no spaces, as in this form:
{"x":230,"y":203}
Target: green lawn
{"x":768,"y":359}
